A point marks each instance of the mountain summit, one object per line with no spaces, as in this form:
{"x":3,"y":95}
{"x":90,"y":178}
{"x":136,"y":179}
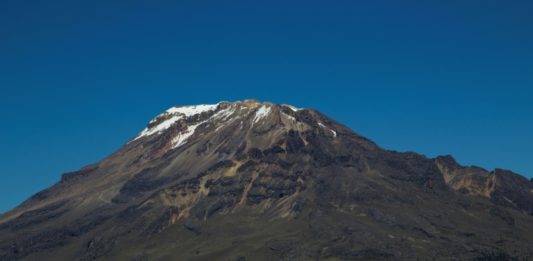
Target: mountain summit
{"x":260,"y":181}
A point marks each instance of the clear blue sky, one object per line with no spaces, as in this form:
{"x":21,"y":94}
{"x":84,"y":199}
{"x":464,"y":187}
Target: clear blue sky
{"x":78,"y":79}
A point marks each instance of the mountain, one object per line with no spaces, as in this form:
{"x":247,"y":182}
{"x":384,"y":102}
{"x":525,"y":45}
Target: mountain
{"x":260,"y":181}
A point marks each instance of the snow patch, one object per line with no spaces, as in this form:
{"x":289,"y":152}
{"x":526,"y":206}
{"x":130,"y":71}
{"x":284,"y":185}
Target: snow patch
{"x":222,"y":116}
{"x":289,"y":117}
{"x":192,"y":110}
{"x":160,"y":127}
{"x":182,"y":137}
{"x":261,"y":113}
{"x":325,"y":127}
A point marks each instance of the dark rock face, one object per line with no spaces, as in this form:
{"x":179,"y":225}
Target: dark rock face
{"x":34,"y":217}
{"x":140,"y":184}
{"x":258,"y":181}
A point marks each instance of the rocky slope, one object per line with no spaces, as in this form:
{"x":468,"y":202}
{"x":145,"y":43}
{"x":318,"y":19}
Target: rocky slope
{"x":260,"y":181}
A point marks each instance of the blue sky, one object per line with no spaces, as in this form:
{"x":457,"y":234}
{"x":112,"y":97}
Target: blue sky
{"x":78,"y":79}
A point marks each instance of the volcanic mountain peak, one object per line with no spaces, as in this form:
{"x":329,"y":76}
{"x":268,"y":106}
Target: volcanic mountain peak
{"x":260,"y":181}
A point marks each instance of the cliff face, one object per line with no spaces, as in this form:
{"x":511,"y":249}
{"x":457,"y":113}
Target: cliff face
{"x":259,"y":181}
{"x":501,"y":187}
